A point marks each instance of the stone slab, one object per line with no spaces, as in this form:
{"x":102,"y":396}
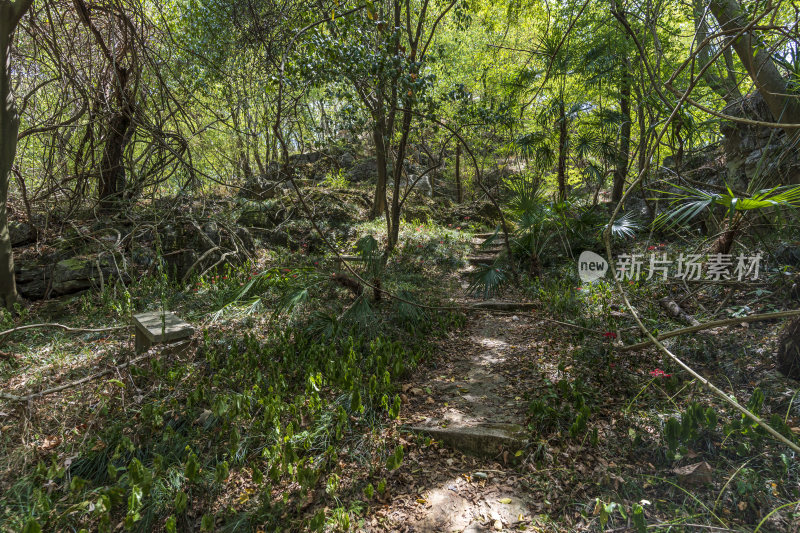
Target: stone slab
{"x":495,"y":305}
{"x":485,"y":440}
{"x":160,"y":327}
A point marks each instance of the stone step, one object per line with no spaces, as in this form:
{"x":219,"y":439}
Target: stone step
{"x":348,"y":258}
{"x":493,"y":249}
{"x":485,"y":259}
{"x":485,"y":236}
{"x":484,"y":440}
{"x":498,"y":305}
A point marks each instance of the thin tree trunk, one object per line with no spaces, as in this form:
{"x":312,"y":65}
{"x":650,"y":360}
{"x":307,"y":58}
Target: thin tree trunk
{"x":621,"y":170}
{"x":758,"y":63}
{"x":459,"y":188}
{"x":394,"y":231}
{"x":379,"y":201}
{"x":112,"y":171}
{"x":10,"y":14}
{"x":725,"y":86}
{"x":562,"y":152}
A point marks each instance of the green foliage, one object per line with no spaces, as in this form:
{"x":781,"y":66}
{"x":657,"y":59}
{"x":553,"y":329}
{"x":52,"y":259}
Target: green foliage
{"x":561,"y":405}
{"x":688,"y":202}
{"x":695,"y":423}
{"x":486,"y":281}
{"x":394,"y":460}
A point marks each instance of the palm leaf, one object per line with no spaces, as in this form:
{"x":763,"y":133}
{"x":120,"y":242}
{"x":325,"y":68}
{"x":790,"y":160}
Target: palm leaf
{"x":369,"y":250}
{"x":487,"y":281}
{"x":405,"y":310}
{"x":624,"y":226}
{"x":323,"y":325}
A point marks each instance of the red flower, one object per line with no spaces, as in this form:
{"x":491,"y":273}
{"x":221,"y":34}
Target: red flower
{"x":651,"y":248}
{"x":578,"y":288}
{"x":610,"y":335}
{"x":658,"y":373}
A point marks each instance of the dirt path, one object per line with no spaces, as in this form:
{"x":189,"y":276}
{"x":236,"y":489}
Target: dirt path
{"x":471,"y":399}
{"x":479,"y":384}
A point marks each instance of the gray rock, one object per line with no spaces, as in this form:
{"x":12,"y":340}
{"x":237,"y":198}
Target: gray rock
{"x":21,"y":233}
{"x":39,"y":280}
{"x":421,"y":185}
{"x":306,"y":158}
{"x":485,"y":440}
{"x":78,"y":274}
{"x":366,"y":169}
{"x":347,"y":160}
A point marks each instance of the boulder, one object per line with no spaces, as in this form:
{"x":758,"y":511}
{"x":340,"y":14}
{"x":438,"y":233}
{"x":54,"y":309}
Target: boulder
{"x":265,"y":215}
{"x":756,"y":152}
{"x":78,"y":274}
{"x":44,"y":279}
{"x":347,"y":160}
{"x":421,"y":185}
{"x":306,"y":158}
{"x":21,"y":233}
{"x":364,"y":170}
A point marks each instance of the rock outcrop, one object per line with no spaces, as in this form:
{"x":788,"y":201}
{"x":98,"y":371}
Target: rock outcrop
{"x":757,"y":152}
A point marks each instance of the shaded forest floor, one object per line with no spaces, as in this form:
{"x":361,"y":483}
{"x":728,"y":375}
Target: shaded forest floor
{"x":292,"y":408}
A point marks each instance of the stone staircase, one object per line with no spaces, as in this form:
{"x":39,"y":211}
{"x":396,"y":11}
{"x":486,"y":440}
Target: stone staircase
{"x":483,"y":253}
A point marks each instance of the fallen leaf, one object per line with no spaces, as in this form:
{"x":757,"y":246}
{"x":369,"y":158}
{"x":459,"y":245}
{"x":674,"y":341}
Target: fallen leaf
{"x":694,"y":474}
{"x":50,"y":442}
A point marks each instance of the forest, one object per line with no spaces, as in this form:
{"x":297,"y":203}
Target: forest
{"x":400,"y":265}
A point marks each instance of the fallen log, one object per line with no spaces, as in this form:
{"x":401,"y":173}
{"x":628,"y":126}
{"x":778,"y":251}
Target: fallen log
{"x":676,"y":312}
{"x":709,"y":325}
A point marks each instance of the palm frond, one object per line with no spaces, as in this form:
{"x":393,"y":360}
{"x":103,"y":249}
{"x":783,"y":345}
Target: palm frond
{"x":404,"y":309}
{"x":361,"y":314}
{"x":593,"y":173}
{"x":291,"y":300}
{"x":584,"y":144}
{"x":323,"y":324}
{"x":487,"y":281}
{"x":625,"y":226}
{"x":685,"y":206}
{"x":526,"y":194}
{"x":369,"y":250}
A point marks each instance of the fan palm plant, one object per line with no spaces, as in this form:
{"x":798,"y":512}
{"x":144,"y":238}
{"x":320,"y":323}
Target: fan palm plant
{"x":688,"y":202}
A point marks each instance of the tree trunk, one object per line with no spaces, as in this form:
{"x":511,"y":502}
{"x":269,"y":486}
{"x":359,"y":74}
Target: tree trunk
{"x":459,"y":188}
{"x":725,"y":86}
{"x":621,"y":170}
{"x":755,"y":57}
{"x":379,"y":201}
{"x":9,"y":128}
{"x":394,"y":230}
{"x":562,"y":152}
{"x":730,"y":231}
{"x":112,"y":171}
